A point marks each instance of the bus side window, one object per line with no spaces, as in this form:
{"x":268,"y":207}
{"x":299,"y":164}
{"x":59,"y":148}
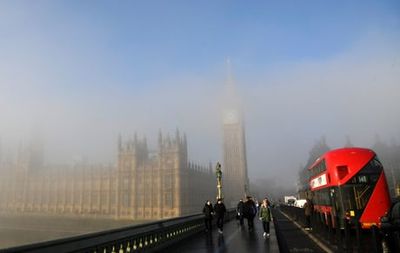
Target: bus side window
{"x":374,"y":178}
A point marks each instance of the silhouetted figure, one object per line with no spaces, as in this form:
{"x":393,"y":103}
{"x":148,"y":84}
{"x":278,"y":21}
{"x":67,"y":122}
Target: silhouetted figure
{"x":239,"y":211}
{"x":250,"y":211}
{"x":220,"y":211}
{"x":308,"y":210}
{"x":208,"y":212}
{"x":265,"y":216}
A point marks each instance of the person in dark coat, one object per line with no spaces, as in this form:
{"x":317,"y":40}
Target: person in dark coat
{"x":208,"y":212}
{"x":250,"y":211}
{"x":239,"y":211}
{"x":308,"y":210}
{"x":220,"y":210}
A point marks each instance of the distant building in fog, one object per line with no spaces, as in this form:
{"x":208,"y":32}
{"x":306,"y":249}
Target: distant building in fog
{"x":235,"y":177}
{"x":319,"y":148}
{"x":141,"y":186}
{"x":389,"y":155}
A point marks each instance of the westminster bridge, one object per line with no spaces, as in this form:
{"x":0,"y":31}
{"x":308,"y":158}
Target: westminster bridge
{"x":187,"y":234}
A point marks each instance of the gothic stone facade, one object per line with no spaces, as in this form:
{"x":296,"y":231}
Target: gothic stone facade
{"x":142,"y":186}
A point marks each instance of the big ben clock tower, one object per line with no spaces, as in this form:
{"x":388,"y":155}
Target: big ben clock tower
{"x":236,"y":182}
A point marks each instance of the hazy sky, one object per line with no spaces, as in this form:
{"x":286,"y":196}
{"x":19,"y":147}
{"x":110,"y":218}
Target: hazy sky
{"x":80,"y":72}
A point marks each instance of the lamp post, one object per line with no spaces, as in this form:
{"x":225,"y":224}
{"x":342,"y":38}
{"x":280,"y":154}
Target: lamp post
{"x":218,"y":173}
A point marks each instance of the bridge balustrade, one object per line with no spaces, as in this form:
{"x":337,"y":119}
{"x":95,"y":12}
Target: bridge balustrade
{"x":149,"y":237}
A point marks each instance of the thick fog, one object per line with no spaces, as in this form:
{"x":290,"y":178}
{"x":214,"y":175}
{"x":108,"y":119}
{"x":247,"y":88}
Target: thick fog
{"x":355,"y":94}
{"x":77,"y":105}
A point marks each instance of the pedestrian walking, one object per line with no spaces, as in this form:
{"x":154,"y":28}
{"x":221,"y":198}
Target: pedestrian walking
{"x":250,"y":211}
{"x":220,"y":210}
{"x":239,"y":211}
{"x":208,"y":212}
{"x":265,"y":216}
{"x":308,"y":210}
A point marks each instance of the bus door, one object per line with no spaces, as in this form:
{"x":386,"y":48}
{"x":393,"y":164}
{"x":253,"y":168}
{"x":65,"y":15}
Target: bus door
{"x":337,"y":207}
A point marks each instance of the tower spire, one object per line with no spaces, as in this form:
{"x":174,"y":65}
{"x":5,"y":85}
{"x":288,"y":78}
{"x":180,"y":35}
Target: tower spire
{"x":119,"y":142}
{"x":229,"y":75}
{"x":231,"y":97}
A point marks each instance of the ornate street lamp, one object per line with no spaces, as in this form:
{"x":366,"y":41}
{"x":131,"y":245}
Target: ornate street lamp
{"x":218,"y":173}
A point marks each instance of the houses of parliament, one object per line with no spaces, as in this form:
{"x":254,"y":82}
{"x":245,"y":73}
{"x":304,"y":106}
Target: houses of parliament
{"x":143,"y":185}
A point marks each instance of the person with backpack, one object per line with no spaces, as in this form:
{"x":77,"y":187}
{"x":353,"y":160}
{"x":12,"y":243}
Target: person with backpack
{"x":250,"y":211}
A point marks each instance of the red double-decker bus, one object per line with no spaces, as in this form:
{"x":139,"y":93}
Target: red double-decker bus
{"x":349,"y":183}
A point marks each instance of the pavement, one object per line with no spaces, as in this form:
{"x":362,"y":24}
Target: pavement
{"x":294,"y":238}
{"x":235,"y":238}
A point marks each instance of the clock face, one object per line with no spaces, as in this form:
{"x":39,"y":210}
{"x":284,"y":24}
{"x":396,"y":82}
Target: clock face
{"x":231,"y":117}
